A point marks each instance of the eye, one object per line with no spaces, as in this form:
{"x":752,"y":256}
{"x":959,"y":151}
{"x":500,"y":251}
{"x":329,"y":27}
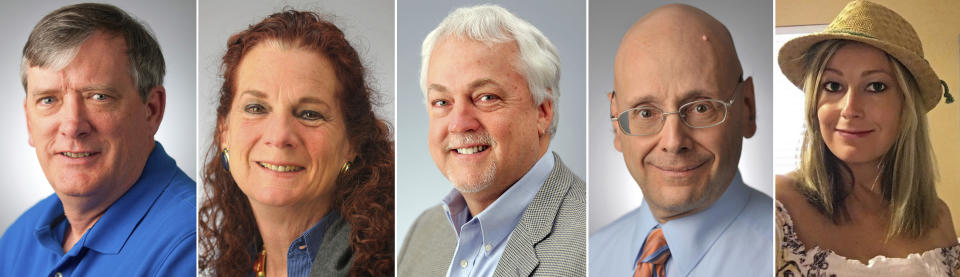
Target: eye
{"x":701,"y":108}
{"x":876,"y":87}
{"x":47,"y":100}
{"x":439,"y":103}
{"x":645,"y":113}
{"x":832,"y":86}
{"x":99,"y":96}
{"x":488,"y":97}
{"x":254,"y":109}
{"x":311,"y":115}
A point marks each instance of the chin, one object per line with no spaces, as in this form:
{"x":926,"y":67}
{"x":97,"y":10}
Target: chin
{"x":272,"y":196}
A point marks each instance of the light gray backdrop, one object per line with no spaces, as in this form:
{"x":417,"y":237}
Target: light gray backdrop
{"x":420,"y":184}
{"x":612,"y":191}
{"x":173,"y":23}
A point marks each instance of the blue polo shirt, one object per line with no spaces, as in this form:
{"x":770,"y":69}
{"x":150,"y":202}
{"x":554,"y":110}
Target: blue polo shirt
{"x":149,"y":231}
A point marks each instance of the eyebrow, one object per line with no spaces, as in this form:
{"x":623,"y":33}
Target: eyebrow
{"x":254,"y":93}
{"x":98,"y":88}
{"x":472,"y":86}
{"x":865,"y":73}
{"x":685,"y":97}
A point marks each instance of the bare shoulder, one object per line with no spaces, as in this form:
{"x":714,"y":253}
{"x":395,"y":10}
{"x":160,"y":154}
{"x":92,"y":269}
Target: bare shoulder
{"x":786,"y":191}
{"x":945,"y":233}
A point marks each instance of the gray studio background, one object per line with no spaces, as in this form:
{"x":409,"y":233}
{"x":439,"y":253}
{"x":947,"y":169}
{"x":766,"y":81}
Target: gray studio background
{"x":173,"y":23}
{"x":368,"y":25}
{"x":420,"y":184}
{"x":612,"y":191}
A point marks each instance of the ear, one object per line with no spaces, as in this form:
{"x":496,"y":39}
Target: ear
{"x":616,"y":130}
{"x":750,"y":105}
{"x":545,"y":115}
{"x":222,"y":130}
{"x":156,"y":103}
{"x":26,"y":115}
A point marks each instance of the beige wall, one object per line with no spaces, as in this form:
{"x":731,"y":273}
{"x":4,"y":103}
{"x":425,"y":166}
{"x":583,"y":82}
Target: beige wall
{"x":938,"y":24}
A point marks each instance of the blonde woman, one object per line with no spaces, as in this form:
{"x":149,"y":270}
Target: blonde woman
{"x":862,"y":201}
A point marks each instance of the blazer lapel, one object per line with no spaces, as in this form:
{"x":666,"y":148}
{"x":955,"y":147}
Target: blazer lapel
{"x":520,"y":255}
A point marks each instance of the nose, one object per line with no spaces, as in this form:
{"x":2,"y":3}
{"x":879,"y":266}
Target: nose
{"x":851,"y":105}
{"x":674,"y":135}
{"x":75,"y":123}
{"x":463,"y":118}
{"x":279,"y":131}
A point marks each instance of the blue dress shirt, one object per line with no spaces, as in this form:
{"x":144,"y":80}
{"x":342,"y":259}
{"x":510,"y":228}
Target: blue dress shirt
{"x":149,"y":231}
{"x":733,"y":237}
{"x":302,"y":250}
{"x":482,"y":239}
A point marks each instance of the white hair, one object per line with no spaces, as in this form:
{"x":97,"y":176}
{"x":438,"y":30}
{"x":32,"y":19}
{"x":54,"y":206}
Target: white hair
{"x":492,"y":24}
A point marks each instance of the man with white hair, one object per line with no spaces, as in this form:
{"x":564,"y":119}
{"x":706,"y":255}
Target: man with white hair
{"x":490,"y":83}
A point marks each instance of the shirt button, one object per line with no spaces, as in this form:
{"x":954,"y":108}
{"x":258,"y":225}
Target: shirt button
{"x":58,"y":274}
{"x":302,"y":247}
{"x":463,"y":263}
{"x":488,"y":247}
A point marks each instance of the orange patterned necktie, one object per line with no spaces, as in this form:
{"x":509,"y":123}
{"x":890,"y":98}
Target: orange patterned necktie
{"x":653,"y":259}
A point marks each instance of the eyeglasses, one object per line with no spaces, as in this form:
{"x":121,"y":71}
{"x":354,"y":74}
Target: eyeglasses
{"x":648,"y":120}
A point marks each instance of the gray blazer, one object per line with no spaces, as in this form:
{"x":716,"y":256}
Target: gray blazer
{"x":334,"y":257}
{"x":549,"y":240}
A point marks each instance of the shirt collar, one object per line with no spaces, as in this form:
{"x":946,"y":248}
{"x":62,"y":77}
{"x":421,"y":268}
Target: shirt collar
{"x":313,"y":237}
{"x":111,"y":231}
{"x":691,"y":236}
{"x":499,"y":219}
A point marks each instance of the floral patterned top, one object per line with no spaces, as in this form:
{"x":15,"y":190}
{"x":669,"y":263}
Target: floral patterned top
{"x":796,"y":260}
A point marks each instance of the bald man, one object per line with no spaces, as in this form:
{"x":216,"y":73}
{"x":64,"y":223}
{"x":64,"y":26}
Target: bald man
{"x":697,"y":217}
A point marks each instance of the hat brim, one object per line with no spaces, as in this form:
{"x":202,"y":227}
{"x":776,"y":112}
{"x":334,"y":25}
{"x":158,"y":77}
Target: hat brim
{"x":792,"y":62}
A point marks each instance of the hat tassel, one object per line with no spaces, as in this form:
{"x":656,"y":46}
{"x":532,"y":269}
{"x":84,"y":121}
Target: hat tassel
{"x":946,"y":92}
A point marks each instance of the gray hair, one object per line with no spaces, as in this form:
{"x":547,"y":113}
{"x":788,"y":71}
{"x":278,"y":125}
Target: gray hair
{"x":493,"y":24}
{"x":54,"y":42}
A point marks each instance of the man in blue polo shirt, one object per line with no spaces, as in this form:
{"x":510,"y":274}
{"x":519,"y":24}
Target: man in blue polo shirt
{"x":94,"y":100}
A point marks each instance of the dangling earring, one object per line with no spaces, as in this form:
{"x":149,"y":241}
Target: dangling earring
{"x":345,"y":168}
{"x":225,"y":159}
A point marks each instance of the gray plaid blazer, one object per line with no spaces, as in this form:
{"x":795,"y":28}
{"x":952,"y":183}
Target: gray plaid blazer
{"x":549,"y":240}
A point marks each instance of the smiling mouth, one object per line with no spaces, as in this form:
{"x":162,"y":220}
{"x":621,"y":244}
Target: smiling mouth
{"x":77,"y":154}
{"x":680,"y":168}
{"x":280,"y":168}
{"x":472,"y":149}
{"x":855,"y":133}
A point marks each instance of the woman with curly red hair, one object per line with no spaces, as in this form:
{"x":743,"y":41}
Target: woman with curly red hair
{"x":302,"y":179}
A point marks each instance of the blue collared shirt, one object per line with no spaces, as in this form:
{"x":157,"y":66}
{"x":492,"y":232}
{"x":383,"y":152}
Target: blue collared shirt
{"x":732,"y":237}
{"x":482,"y":239}
{"x":302,"y":250}
{"x":149,"y":231}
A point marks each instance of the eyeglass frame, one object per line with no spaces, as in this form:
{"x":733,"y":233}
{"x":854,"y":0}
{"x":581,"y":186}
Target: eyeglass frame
{"x":664,"y":114}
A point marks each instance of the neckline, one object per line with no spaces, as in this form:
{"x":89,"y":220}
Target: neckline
{"x":781,"y":210}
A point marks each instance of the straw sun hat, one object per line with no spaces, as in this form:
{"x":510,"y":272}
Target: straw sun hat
{"x":880,"y":27}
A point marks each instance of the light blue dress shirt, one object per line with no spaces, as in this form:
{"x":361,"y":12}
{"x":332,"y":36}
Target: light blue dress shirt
{"x":302,"y":250}
{"x":482,"y":238}
{"x":733,"y":237}
{"x":149,"y":231}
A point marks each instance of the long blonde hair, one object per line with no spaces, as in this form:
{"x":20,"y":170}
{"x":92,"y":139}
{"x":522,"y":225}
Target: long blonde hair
{"x":907,"y":174}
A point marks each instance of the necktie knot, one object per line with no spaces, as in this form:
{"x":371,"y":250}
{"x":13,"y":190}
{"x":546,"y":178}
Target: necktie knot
{"x":654,"y":255}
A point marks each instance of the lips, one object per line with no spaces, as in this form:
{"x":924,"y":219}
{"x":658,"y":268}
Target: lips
{"x":280,"y":167}
{"x":469,"y":150}
{"x":679,"y":168}
{"x":853,"y":133}
{"x":77,"y":154}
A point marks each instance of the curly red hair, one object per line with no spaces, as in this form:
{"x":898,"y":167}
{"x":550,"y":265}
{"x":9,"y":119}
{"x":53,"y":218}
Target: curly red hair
{"x":364,"y":195}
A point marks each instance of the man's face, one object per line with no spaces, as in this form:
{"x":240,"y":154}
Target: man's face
{"x":681,"y":169}
{"x":484,"y":126}
{"x":91,"y":130}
